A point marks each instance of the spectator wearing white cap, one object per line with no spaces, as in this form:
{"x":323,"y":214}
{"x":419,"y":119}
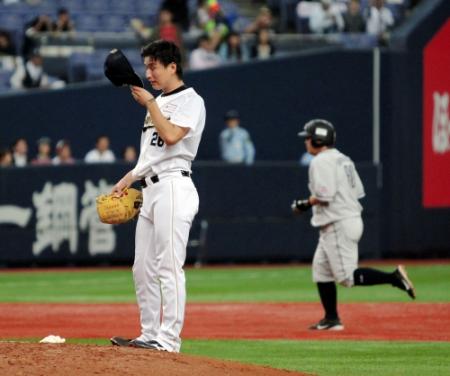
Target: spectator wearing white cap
{"x":63,"y":153}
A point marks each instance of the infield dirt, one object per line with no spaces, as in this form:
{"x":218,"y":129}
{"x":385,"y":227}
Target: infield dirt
{"x":363,"y":321}
{"x":43,"y":359}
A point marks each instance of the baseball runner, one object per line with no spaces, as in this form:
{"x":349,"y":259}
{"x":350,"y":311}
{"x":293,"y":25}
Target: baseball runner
{"x":170,"y":138}
{"x":336,"y":188}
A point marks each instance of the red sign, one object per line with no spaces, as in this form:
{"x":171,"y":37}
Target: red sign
{"x":436,"y":120}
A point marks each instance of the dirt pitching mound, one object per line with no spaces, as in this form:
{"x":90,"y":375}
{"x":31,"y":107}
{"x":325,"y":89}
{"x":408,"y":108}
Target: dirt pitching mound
{"x":45,"y":359}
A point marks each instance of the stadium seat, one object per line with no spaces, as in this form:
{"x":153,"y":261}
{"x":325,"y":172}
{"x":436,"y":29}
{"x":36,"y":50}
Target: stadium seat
{"x":72,"y":5}
{"x":147,"y":7}
{"x":98,"y":6}
{"x":11,"y":21}
{"x":359,"y":40}
{"x":5,"y":76}
{"x":114,"y":22}
{"x":123,"y":7}
{"x":87,"y":22}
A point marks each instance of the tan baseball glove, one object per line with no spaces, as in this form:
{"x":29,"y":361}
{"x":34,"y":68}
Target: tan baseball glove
{"x":115,"y":210}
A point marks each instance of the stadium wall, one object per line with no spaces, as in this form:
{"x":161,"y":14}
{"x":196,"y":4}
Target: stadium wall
{"x":48,"y":215}
{"x":275,"y":98}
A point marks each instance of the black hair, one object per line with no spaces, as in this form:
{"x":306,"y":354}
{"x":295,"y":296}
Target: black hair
{"x":63,"y":11}
{"x":4,"y":151}
{"x":101,"y":136}
{"x":165,"y":52}
{"x":16,"y":141}
{"x":237,"y":51}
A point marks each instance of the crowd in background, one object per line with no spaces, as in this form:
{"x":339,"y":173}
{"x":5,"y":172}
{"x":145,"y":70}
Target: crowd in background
{"x":219,"y":34}
{"x":220,"y":41}
{"x":61,"y":154}
{"x":234,"y":143}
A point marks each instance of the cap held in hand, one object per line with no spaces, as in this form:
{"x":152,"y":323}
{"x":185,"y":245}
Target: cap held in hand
{"x":119,"y":70}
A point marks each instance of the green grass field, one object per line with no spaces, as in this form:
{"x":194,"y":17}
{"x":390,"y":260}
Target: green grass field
{"x":253,"y":284}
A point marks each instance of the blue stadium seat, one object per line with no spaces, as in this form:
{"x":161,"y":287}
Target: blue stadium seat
{"x":11,"y":21}
{"x":123,"y":7}
{"x":114,"y":23}
{"x":359,"y":40}
{"x":87,"y":22}
{"x":72,"y":5}
{"x":145,"y":7}
{"x":98,"y":6}
{"x":5,"y":76}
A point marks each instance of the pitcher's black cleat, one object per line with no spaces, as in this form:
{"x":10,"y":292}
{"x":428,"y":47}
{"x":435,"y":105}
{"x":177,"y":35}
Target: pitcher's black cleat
{"x":151,"y":345}
{"x":119,"y":341}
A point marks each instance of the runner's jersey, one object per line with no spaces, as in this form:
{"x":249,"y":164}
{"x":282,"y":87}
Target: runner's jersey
{"x":334,"y":179}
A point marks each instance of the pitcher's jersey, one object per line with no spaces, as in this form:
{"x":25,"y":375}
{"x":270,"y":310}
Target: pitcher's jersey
{"x":185,"y":109}
{"x":334,"y":179}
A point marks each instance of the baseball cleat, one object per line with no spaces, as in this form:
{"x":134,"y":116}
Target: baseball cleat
{"x":119,"y":341}
{"x":406,"y":283}
{"x":150,"y":345}
{"x":327,"y":324}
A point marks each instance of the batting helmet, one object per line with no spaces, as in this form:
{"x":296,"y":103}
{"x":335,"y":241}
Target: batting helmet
{"x":320,"y":131}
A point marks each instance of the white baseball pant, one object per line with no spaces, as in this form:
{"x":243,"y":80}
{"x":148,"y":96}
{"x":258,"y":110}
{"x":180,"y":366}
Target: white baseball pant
{"x":162,"y":233}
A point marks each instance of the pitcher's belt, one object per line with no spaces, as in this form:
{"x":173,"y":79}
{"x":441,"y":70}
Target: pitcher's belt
{"x":155,"y":178}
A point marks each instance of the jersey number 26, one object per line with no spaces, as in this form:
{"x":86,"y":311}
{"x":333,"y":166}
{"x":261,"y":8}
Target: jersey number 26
{"x":156,"y":140}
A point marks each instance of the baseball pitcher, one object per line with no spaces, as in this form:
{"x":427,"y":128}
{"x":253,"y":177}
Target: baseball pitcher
{"x":170,"y":138}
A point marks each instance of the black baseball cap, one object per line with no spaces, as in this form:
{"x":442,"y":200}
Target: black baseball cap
{"x":119,"y":70}
{"x":231,"y":114}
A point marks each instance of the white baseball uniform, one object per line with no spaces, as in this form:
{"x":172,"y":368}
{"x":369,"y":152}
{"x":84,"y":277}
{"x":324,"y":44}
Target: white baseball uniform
{"x":170,"y":202}
{"x":334,"y":180}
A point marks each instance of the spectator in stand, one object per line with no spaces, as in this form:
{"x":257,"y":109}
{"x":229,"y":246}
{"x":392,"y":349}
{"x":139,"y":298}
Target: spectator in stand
{"x":63,"y":153}
{"x":232,"y":50}
{"x":217,"y":26}
{"x":201,"y":15}
{"x":129,"y":154}
{"x":43,"y":157}
{"x":325,"y":19}
{"x":8,"y":52}
{"x":101,"y":153}
{"x":7,"y":47}
{"x":20,"y":152}
{"x":204,"y":55}
{"x":63,"y":22}
{"x":379,"y":19}
{"x":236,"y":145}
{"x":40,"y":24}
{"x":353,"y":20}
{"x":180,"y":11}
{"x":263,"y":47}
{"x":31,"y":75}
{"x":143,"y":32}
{"x":264,"y":20}
{"x":167,"y":29}
{"x":6,"y":159}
